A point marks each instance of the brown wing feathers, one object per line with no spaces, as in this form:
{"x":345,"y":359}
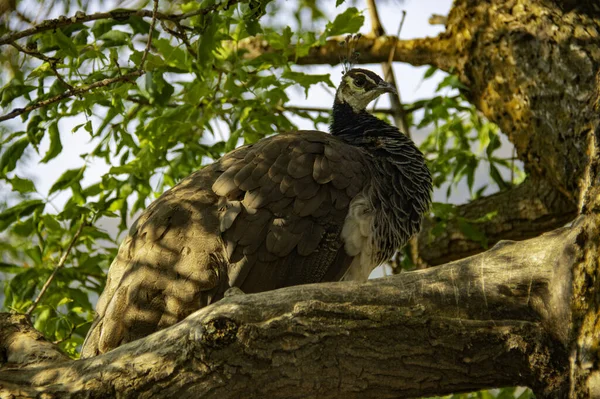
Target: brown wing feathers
{"x":286,"y":177}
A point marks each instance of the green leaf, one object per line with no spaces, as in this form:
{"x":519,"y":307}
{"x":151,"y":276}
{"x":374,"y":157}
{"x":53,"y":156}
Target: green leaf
{"x":429,"y":73}
{"x":494,"y":143}
{"x":452,"y":82}
{"x":307,"y":80}
{"x":208,"y":41}
{"x":339,"y":2}
{"x":12,"y":154}
{"x":152,"y":61}
{"x":443,"y":210}
{"x":350,"y":21}
{"x":139,"y":25}
{"x":306,"y":40}
{"x":158,"y":88}
{"x":55,"y":143}
{"x":14,"y":89}
{"x":497,"y":177}
{"x":280,"y":40}
{"x":51,"y":223}
{"x":115,"y":38}
{"x":23,"y":186}
{"x":65,"y":43}
{"x":9,"y":268}
{"x":173,"y":56}
{"x":22,"y":209}
{"x":67,"y":179}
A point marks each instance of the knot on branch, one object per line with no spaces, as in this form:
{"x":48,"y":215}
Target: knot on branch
{"x":218,"y":333}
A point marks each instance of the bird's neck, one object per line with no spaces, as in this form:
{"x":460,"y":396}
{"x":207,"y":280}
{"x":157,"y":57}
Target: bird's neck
{"x":359,"y":128}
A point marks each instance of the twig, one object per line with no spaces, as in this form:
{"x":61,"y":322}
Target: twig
{"x":70,"y":334}
{"x":149,"y":43}
{"x":81,"y":17}
{"x":60,"y":264}
{"x":376,"y":27}
{"x":33,"y":53}
{"x":59,"y":77}
{"x":292,"y":108}
{"x":393,"y":50}
{"x":181,"y":35}
{"x":52,"y":61}
{"x":69,"y":93}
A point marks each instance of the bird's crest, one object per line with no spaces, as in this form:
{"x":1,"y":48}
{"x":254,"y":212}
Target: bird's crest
{"x":351,"y":56}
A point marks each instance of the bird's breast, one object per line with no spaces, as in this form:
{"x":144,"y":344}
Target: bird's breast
{"x":358,"y":234}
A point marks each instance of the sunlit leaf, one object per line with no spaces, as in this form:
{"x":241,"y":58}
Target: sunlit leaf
{"x":22,"y":186}
{"x":55,"y":143}
{"x":67,"y":179}
{"x":22,"y":209}
{"x":65,"y":43}
{"x":12,"y":154}
{"x":350,"y":21}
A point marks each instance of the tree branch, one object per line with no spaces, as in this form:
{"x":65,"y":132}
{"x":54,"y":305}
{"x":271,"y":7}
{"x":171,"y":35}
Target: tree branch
{"x":435,"y":51}
{"x":73,"y":92}
{"x":33,"y":53}
{"x":23,"y":346}
{"x":350,"y":340}
{"x":400,"y":117}
{"x":323,"y":110}
{"x":149,"y":43}
{"x":525,"y":211}
{"x":81,"y":17}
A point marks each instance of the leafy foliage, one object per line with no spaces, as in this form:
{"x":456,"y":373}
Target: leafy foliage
{"x":200,"y":96}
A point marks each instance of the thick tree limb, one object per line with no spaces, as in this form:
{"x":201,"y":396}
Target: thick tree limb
{"x":532,"y":208}
{"x":496,"y":319}
{"x":21,"y":345}
{"x":426,"y":51}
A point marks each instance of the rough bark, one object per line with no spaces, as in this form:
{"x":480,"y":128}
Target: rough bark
{"x":530,"y":67}
{"x":495,"y":319}
{"x":22,"y":345}
{"x":372,"y":49}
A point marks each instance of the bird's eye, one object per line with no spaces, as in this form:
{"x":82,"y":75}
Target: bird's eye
{"x":360,"y":81}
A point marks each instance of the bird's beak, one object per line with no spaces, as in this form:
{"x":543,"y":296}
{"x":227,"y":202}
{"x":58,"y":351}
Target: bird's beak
{"x":385,"y":87}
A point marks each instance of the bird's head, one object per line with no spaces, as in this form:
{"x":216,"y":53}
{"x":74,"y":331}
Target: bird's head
{"x":359,"y":87}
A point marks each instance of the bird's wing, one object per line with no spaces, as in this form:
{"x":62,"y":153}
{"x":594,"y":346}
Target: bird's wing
{"x":164,"y":269}
{"x":264,"y":216}
{"x":282,"y":208}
